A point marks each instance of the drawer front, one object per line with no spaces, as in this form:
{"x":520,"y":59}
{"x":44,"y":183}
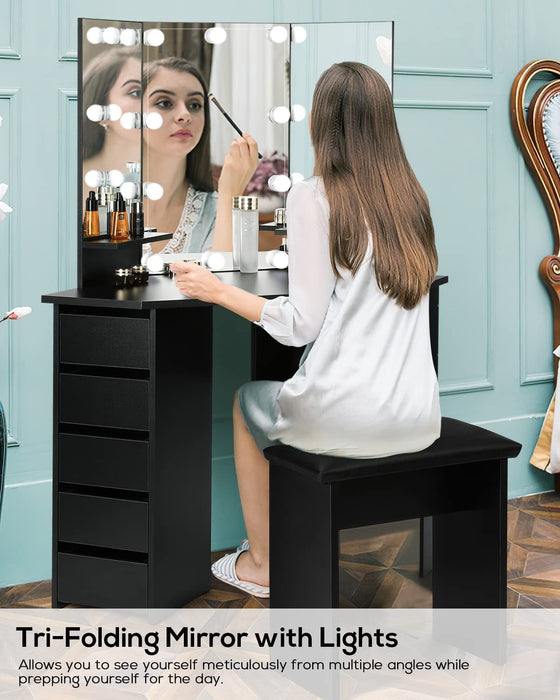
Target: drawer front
{"x":101,"y":461}
{"x":106,"y":341}
{"x":103,"y":522}
{"x":104,"y":401}
{"x":102,"y":583}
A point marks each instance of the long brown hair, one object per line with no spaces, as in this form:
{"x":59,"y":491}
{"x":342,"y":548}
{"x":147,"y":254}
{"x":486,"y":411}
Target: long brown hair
{"x":372,"y":191}
{"x":198,"y":170}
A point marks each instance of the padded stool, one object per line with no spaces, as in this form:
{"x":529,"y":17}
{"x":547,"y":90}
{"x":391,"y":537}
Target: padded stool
{"x":460,"y":480}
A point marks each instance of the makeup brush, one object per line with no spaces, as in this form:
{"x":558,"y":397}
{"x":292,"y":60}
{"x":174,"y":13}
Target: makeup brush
{"x":226,"y":115}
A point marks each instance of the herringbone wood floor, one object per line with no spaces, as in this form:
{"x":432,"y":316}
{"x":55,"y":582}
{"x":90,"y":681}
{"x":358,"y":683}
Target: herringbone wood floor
{"x":379,"y":566}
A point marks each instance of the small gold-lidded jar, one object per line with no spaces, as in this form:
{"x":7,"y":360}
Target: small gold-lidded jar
{"x":119,"y":278}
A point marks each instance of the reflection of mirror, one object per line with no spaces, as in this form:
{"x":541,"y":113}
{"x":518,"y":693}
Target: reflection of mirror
{"x":247,"y":72}
{"x":327,"y":43}
{"x":247,"y":67}
{"x":111,"y":91}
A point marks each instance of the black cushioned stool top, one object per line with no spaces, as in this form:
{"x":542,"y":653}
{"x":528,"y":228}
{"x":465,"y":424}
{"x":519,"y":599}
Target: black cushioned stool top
{"x":459,"y":443}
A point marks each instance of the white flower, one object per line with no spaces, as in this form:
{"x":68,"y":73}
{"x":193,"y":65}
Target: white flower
{"x":4,"y":208}
{"x":19,"y":312}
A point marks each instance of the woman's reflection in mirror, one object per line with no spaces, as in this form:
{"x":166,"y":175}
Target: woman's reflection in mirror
{"x":177,"y":157}
{"x":111,"y":78}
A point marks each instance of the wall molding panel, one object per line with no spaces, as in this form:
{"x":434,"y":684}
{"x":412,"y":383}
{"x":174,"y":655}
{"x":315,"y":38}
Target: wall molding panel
{"x":481,"y":380}
{"x":11,"y":131}
{"x":481,"y":68}
{"x":11,"y":30}
{"x":67,"y":46}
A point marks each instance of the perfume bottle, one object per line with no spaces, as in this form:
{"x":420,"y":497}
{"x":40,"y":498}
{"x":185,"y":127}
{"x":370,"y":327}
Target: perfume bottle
{"x":119,"y":223}
{"x":137,"y":220}
{"x":110,"y":202}
{"x":245,"y":224}
{"x":103,"y":194}
{"x":91,"y":217}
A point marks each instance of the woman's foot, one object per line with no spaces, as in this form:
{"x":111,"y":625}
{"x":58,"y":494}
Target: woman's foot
{"x":248,"y":569}
{"x":224,"y":569}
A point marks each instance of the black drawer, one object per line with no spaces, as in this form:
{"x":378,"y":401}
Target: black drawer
{"x":102,"y":583}
{"x":104,"y":401}
{"x":103,"y":522}
{"x":102,"y":461}
{"x":107,"y":341}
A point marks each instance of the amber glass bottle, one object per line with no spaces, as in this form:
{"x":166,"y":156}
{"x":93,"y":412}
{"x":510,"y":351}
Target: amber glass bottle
{"x":91,"y":217}
{"x":119,"y":223}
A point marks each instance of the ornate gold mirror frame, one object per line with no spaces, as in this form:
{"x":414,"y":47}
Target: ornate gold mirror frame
{"x":532,"y":139}
{"x":535,"y":143}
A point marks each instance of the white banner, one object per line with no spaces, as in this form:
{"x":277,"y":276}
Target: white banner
{"x":386,"y":654}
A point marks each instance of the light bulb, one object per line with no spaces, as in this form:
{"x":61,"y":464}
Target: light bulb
{"x":130,"y":120}
{"x":212,"y":260}
{"x":113,"y":112}
{"x":298,"y":113}
{"x":299,"y":34}
{"x":296,"y":177}
{"x":279,"y":183}
{"x":279,"y":115}
{"x":153,"y":120}
{"x":94,"y":178}
{"x":153,"y":190}
{"x":111,"y":35}
{"x":94,"y":35}
{"x":128,"y":37}
{"x":116,"y":178}
{"x":154,"y":263}
{"x":277,"y":258}
{"x":95,"y":113}
{"x":278,"y":34}
{"x":154,"y":37}
{"x":215,"y":35}
{"x":128,"y":190}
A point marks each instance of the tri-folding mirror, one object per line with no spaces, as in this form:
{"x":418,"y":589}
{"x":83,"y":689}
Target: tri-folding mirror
{"x":133,"y":74}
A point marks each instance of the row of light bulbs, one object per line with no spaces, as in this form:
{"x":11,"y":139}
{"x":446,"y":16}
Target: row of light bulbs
{"x":126,"y":37}
{"x":153,"y":120}
{"x":155,"y":37}
{"x":154,"y":191}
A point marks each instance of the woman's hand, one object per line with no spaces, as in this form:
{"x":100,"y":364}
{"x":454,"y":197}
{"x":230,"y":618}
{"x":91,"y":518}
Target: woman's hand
{"x":239,"y":165}
{"x":197,"y":282}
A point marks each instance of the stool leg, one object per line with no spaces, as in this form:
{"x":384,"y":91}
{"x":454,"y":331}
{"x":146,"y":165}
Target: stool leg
{"x":303,"y":542}
{"x":426,"y":546}
{"x":470,"y":547}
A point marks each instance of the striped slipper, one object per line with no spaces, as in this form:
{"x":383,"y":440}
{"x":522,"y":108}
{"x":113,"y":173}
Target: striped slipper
{"x":244,"y":546}
{"x":224,"y":570}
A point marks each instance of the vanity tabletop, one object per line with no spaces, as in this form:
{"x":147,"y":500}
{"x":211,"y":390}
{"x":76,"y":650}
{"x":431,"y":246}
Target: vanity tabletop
{"x":161,"y":291}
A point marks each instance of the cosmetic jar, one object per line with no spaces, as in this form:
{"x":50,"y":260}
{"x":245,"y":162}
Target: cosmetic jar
{"x":119,"y":278}
{"x":280,"y":217}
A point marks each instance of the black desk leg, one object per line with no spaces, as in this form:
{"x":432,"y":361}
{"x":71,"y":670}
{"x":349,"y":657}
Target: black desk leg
{"x":303,"y":543}
{"x":470,"y":548}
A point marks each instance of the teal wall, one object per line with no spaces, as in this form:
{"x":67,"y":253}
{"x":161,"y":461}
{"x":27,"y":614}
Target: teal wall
{"x":455,"y":62}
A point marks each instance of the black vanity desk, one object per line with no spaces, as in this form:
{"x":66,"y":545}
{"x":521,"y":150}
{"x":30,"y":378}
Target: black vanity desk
{"x":133,"y":437}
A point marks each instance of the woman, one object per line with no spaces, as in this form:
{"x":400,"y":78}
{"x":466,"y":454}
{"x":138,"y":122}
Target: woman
{"x":177,"y":157}
{"x":362,"y":259}
{"x":112,"y":77}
